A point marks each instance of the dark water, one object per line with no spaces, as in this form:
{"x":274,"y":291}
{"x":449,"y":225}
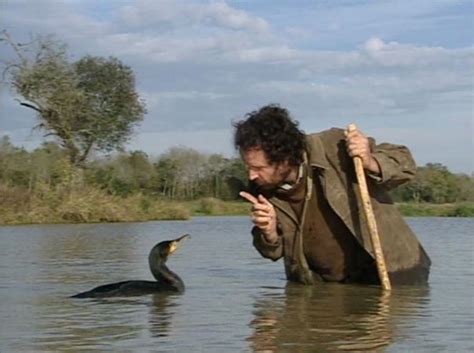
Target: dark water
{"x":235,"y":301}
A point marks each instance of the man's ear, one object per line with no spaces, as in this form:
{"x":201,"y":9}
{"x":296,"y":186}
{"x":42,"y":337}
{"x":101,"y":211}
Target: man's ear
{"x":285,"y":164}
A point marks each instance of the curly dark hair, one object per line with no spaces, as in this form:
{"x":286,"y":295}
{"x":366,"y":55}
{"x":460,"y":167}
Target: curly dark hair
{"x":273,"y":130}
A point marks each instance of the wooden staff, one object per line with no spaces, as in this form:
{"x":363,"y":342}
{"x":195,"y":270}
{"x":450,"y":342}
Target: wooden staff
{"x":372,"y":224}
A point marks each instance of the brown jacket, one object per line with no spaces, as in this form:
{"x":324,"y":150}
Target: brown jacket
{"x":406,"y":260}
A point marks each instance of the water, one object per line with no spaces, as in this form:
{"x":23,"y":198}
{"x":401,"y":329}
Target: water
{"x":235,"y":301}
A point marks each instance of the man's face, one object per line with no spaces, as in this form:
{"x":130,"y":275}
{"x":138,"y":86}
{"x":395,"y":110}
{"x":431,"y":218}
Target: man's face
{"x":261,"y":171}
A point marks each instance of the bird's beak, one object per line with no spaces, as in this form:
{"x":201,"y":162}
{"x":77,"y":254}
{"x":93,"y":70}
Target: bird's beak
{"x":177,"y":242}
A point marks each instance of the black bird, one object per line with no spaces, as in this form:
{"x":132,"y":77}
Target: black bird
{"x":166,"y":280}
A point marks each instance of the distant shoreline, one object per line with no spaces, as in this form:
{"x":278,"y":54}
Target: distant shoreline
{"x":459,"y":209}
{"x":145,"y":209}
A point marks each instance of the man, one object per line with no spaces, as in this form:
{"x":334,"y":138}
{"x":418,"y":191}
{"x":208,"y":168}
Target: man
{"x":306,"y":205}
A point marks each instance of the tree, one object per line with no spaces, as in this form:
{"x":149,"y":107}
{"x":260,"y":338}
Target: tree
{"x":434,"y":183}
{"x":442,"y":185}
{"x":90,"y":104}
{"x":183,"y":173}
{"x":14,"y":164}
{"x":236,"y":177}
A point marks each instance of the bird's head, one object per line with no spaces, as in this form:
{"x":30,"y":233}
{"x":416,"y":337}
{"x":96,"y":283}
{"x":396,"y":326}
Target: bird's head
{"x":168,"y":247}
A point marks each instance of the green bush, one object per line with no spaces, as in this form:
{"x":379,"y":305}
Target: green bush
{"x":464,"y":210}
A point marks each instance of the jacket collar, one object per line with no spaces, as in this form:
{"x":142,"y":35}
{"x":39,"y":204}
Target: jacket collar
{"x":315,"y":151}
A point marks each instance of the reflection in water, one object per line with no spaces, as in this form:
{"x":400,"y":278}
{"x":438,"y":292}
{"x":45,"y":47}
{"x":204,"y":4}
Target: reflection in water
{"x":94,"y":324}
{"x":71,"y":253}
{"x":107,"y":324}
{"x":90,"y":325}
{"x":161,"y":315}
{"x":331,"y":317}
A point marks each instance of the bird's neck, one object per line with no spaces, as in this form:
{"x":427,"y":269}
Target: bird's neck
{"x":162,"y":273}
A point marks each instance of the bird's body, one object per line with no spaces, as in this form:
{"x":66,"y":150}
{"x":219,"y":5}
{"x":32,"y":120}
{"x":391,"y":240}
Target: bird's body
{"x":166,"y":280}
{"x":128,"y":288}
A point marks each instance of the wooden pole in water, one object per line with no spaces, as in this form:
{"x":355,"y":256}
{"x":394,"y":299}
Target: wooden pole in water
{"x":372,"y":224}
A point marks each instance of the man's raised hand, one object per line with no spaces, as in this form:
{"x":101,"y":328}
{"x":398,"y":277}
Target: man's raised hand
{"x":263,"y":215}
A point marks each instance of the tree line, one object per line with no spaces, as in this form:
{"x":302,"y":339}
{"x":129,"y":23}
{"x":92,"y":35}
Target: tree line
{"x":183,"y":173}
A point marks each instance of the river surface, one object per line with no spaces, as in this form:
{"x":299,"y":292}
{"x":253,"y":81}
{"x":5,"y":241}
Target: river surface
{"x":235,"y":301}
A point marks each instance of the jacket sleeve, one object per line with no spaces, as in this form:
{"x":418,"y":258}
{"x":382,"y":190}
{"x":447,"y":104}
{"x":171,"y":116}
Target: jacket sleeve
{"x":268,"y":250}
{"x":396,"y":164}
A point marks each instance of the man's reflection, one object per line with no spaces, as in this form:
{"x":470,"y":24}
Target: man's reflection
{"x":331,"y":318}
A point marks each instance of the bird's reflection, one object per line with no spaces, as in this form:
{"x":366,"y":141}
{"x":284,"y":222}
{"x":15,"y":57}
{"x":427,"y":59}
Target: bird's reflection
{"x":331,"y":318}
{"x":162,"y":310}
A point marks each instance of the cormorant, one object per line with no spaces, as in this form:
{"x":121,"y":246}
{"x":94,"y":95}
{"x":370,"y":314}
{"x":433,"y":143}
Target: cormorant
{"x":166,"y":280}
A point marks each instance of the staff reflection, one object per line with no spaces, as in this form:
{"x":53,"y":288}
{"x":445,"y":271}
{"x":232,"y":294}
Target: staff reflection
{"x":331,"y":318}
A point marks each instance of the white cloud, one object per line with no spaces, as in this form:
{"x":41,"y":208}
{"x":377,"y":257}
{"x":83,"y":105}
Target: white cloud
{"x":226,"y":16}
{"x":64,"y":19}
{"x":406,"y":55}
{"x":173,"y":15}
{"x":374,"y":45}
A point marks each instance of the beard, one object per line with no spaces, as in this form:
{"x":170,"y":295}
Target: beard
{"x":265,"y":186}
{"x":277,"y":179}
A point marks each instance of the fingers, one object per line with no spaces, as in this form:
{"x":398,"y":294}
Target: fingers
{"x":263,"y":200}
{"x":248,"y":197}
{"x":351,"y":127}
{"x":261,"y":221}
{"x":357,"y":143}
{"x":352,"y":132}
{"x":264,"y":220}
{"x":260,"y":203}
{"x":263,"y":213}
{"x":354,"y":149}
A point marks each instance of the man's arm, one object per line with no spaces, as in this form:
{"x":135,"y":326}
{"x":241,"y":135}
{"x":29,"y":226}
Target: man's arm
{"x":388,"y":164}
{"x":396,"y":164}
{"x":273,"y":251}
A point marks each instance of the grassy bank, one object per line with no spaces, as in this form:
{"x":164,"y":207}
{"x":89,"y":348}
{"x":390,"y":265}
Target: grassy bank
{"x":90,"y":205}
{"x":462,"y":209}
{"x":216,"y":207}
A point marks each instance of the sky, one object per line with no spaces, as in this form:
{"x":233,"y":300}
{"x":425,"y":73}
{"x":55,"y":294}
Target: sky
{"x":401,"y":70}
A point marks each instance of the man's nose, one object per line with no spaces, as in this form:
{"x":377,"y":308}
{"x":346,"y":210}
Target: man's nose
{"x":253,"y":175}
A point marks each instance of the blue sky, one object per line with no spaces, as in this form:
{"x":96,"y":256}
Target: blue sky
{"x":403,"y":71}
